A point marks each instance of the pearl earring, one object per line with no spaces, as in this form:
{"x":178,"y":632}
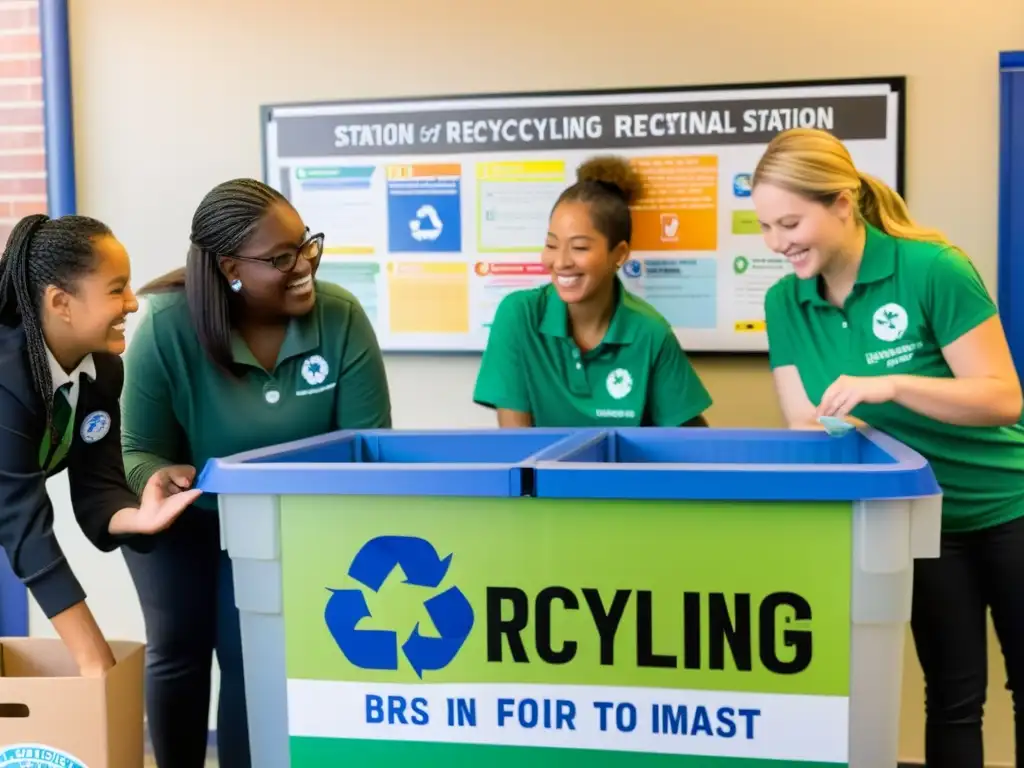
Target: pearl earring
{"x":236,"y":285}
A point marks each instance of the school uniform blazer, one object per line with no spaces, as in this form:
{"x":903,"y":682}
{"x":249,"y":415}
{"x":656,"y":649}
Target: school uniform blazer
{"x":95,"y":472}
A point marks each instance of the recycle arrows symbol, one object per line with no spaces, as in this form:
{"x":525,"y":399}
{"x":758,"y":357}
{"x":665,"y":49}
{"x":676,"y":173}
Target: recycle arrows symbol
{"x":416,"y":225}
{"x":378,"y":649}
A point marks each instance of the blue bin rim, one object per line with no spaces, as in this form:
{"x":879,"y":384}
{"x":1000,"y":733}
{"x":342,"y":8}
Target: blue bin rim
{"x":907,"y":476}
{"x":246,"y":473}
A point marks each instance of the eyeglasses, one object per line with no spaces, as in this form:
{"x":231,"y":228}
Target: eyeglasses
{"x":311,"y":250}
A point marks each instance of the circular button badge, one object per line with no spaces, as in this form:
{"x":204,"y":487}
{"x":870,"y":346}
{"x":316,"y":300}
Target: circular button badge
{"x":36,"y":756}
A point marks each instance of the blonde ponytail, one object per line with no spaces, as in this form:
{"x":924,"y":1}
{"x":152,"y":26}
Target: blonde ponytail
{"x":882,"y":207}
{"x":815,"y":164}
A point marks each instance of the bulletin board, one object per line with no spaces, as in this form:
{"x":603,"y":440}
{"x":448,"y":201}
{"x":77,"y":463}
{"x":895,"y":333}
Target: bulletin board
{"x":434,"y":209}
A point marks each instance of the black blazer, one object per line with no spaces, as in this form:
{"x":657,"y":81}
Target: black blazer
{"x":95,"y":471}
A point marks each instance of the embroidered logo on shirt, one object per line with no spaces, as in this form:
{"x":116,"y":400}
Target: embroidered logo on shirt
{"x":890,"y":322}
{"x":894,"y":356}
{"x":36,"y":756}
{"x":95,"y":426}
{"x":619,"y":383}
{"x":615,"y":413}
{"x":314,"y":372}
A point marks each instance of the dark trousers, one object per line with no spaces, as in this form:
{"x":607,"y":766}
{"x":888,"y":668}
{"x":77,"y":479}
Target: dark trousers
{"x":187,"y":596}
{"x":978,"y":571}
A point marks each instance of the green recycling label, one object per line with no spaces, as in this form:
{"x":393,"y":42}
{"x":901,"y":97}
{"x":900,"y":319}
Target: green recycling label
{"x":509,"y":632}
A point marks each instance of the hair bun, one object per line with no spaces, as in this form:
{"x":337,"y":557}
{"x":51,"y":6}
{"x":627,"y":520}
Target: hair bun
{"x":615,"y":173}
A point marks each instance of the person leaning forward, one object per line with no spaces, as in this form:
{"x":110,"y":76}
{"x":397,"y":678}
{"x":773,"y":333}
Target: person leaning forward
{"x":64,"y":296}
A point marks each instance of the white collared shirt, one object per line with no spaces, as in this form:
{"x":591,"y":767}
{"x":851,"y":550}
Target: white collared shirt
{"x":61,"y":377}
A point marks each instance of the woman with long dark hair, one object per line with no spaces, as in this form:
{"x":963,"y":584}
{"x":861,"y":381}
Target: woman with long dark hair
{"x":240,"y":350}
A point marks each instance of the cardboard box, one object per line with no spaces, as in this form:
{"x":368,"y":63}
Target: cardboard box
{"x":50,"y":717}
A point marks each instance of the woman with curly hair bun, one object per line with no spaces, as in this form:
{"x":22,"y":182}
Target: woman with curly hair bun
{"x":583,"y":351}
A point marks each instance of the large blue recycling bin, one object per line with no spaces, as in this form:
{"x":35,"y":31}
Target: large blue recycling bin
{"x":729,"y":518}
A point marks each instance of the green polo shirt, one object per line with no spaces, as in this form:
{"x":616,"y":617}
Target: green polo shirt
{"x":910,"y":300}
{"x":637,"y":376}
{"x":179,"y":408}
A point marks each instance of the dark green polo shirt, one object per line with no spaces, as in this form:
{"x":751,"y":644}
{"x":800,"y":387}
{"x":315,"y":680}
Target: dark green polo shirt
{"x":637,"y":376}
{"x":910,"y":300}
{"x":179,"y":408}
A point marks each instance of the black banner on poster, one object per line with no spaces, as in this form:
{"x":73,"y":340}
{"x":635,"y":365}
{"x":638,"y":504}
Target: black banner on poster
{"x":630,"y":124}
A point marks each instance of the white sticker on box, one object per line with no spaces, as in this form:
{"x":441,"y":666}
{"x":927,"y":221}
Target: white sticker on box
{"x":36,"y":756}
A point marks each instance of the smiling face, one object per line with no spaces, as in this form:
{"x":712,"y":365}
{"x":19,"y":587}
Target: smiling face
{"x":807,"y":232}
{"x":577,"y":254}
{"x":94,"y":311}
{"x":267,"y":290}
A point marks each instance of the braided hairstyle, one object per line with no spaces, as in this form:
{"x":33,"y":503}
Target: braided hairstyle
{"x":223,"y":223}
{"x":41,"y":252}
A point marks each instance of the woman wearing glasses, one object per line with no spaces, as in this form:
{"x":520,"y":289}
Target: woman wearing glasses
{"x":241,"y":349}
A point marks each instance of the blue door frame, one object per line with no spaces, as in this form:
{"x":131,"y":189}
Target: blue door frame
{"x":1011,"y":202}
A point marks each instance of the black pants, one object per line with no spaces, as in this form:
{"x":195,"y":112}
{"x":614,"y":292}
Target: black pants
{"x":187,"y":598}
{"x":977,"y":571}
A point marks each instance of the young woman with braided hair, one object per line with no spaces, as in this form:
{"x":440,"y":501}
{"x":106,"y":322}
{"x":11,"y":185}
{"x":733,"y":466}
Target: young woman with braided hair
{"x":242,"y":349}
{"x":64,"y":296}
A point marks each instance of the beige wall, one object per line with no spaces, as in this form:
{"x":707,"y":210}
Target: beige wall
{"x":167,"y":96}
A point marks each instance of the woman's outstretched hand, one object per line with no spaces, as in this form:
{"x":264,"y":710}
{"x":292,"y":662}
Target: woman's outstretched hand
{"x":163,"y":501}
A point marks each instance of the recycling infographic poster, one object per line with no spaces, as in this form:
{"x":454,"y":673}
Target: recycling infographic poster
{"x":433,"y":210}
{"x":513,"y":632}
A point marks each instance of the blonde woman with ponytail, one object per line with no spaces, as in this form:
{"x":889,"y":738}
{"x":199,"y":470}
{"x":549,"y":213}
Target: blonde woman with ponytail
{"x":884,"y":322}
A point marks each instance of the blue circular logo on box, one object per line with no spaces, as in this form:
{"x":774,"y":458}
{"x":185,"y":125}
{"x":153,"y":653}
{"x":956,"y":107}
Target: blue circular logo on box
{"x":37,"y":756}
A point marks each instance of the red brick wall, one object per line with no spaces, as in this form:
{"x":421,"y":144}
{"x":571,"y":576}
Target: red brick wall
{"x":22,"y":158}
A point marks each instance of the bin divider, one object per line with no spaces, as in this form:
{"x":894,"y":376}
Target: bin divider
{"x":569,"y":447}
{"x":369,"y":446}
